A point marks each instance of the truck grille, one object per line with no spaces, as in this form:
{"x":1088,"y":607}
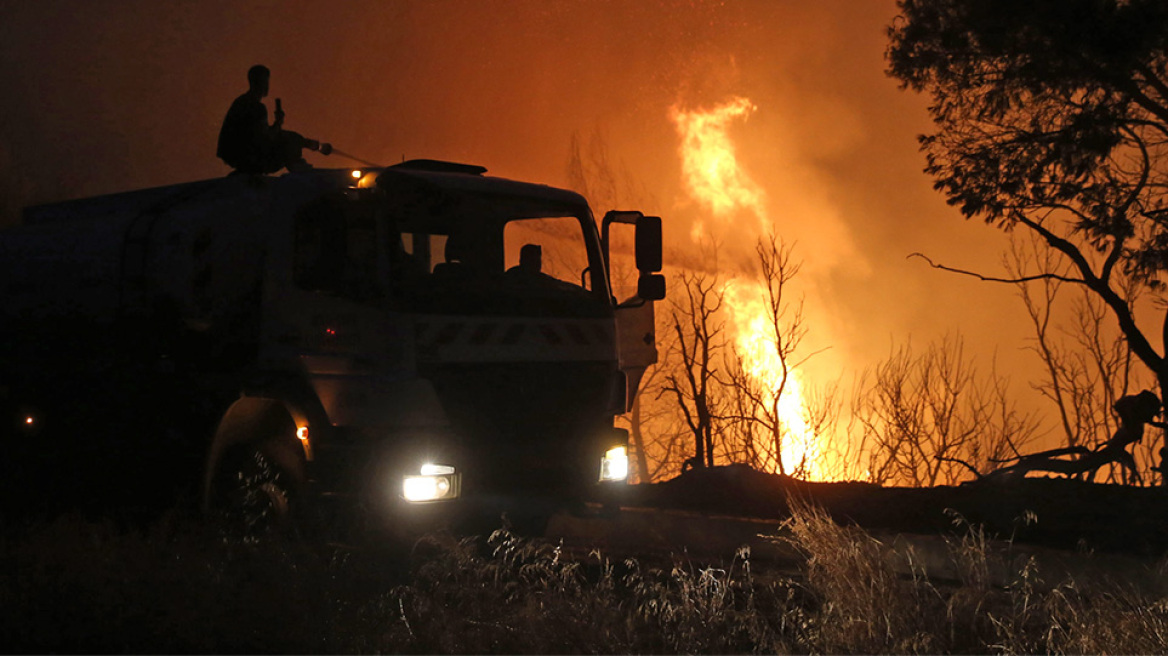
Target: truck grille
{"x":538,"y":421}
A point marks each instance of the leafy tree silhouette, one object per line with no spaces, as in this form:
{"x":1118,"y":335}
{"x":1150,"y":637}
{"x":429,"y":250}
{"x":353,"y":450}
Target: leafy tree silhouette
{"x":1051,"y":116}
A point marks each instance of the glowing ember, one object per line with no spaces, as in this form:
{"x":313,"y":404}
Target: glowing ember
{"x":714,"y":178}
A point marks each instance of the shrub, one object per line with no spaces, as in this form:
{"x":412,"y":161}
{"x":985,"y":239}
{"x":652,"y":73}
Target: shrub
{"x":77,"y":585}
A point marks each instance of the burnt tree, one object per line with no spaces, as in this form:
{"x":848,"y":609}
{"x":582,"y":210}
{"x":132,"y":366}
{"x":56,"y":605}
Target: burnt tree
{"x":696,"y":350}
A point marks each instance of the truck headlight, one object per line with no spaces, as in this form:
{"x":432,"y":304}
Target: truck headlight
{"x":432,"y":483}
{"x":615,"y":464}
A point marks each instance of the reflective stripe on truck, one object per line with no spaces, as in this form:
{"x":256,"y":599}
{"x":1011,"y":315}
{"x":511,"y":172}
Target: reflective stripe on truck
{"x":505,"y":339}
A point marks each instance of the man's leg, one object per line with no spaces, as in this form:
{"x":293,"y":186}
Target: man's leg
{"x":289,"y":149}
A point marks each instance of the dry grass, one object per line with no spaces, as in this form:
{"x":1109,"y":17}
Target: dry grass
{"x":76,"y":585}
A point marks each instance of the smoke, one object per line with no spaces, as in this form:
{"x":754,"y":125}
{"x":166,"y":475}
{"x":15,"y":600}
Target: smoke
{"x":15,"y":189}
{"x":110,"y":96}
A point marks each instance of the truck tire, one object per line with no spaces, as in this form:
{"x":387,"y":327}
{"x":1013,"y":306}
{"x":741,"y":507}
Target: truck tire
{"x":255,"y":471}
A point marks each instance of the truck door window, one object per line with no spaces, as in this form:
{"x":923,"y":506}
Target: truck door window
{"x":335,"y":249}
{"x":622,"y":267}
{"x":470,"y":263}
{"x":424,"y":250}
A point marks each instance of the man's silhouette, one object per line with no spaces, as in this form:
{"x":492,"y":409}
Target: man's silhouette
{"x":530,"y":261}
{"x":529,"y":271}
{"x":249,"y":144}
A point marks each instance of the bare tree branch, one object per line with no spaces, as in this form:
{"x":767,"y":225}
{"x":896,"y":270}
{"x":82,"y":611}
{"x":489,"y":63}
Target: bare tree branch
{"x":1016,"y":280}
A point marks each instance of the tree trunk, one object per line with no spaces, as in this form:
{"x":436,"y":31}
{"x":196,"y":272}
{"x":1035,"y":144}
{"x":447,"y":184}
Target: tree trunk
{"x":1162,"y":377}
{"x":639,"y":442}
{"x":700,"y":435}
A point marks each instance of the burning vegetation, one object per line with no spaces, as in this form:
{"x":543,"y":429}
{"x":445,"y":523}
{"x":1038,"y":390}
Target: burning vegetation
{"x":732,"y":385}
{"x":736,"y":366}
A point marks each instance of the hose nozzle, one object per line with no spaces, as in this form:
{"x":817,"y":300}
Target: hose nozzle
{"x":322,"y":148}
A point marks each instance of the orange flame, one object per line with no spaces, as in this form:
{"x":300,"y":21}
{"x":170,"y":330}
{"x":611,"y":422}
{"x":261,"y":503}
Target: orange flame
{"x":755,"y":341}
{"x":709,"y":162}
{"x":714,"y":179}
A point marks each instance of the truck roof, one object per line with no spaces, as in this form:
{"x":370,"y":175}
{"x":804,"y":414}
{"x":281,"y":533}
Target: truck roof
{"x":440,"y":176}
{"x":461,"y":179}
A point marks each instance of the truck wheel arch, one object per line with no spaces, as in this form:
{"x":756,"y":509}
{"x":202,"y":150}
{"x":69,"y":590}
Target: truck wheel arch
{"x":267,"y":423}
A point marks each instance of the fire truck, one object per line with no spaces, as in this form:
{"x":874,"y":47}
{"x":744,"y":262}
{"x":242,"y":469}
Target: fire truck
{"x":331,"y":339}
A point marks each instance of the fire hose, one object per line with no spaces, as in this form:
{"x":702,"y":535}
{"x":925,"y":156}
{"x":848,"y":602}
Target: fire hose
{"x":327,"y":149}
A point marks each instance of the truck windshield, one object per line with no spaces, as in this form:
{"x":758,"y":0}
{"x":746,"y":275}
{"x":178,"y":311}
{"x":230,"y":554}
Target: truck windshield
{"x":531,"y":266}
{"x":475,"y":258}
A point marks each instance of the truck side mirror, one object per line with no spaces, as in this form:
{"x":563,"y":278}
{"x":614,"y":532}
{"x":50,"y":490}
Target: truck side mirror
{"x":651,"y":286}
{"x":648,"y":245}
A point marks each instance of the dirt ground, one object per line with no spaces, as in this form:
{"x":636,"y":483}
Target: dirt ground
{"x":1050,"y":512}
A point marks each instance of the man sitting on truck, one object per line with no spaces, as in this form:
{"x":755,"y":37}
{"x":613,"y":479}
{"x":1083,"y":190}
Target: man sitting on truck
{"x":249,"y":145}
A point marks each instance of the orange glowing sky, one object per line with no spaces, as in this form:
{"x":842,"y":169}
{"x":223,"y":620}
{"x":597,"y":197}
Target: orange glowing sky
{"x":114,"y":95}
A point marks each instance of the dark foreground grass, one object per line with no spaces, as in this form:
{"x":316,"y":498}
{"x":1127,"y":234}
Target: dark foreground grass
{"x":75,"y":585}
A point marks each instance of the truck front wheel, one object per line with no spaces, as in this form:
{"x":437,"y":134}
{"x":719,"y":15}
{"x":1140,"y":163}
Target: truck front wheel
{"x":249,"y":493}
{"x":255,"y":470}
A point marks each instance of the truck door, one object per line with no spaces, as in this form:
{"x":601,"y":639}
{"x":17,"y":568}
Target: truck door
{"x":636,"y":343}
{"x":332,"y":319}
